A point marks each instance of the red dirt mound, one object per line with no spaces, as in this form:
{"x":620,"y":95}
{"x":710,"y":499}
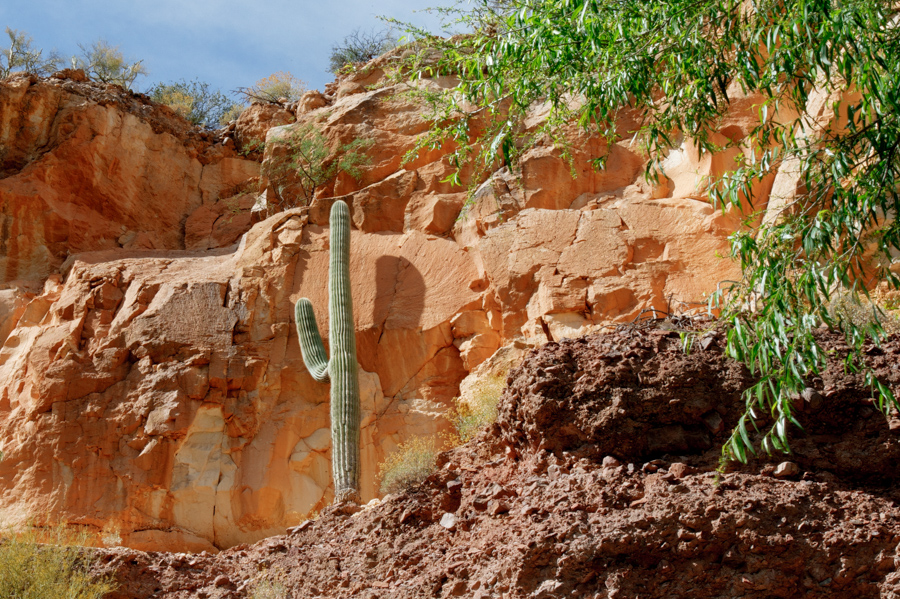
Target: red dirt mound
{"x":597,"y":481}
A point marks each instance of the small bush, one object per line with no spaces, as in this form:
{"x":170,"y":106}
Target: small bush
{"x":38,"y":564}
{"x":360,"y":46}
{"x":469,"y":417}
{"x":197,"y":102}
{"x":232,"y":114}
{"x":268,"y":589}
{"x":21,"y":55}
{"x":104,"y":62}
{"x":862,"y":312}
{"x":308,"y":163}
{"x":276,"y":88}
{"x":413,"y":461}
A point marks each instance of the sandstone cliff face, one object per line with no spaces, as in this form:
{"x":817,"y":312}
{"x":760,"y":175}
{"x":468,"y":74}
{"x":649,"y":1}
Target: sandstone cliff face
{"x":151,"y":377}
{"x":87,"y":167}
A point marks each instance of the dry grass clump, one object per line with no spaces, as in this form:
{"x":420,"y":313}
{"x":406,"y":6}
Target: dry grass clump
{"x":48,"y":564}
{"x":862,"y":311}
{"x":413,"y":461}
{"x":267,"y":588}
{"x":469,"y":417}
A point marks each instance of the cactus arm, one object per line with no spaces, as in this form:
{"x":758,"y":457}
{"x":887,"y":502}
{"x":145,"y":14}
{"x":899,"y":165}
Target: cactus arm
{"x":311,"y":345}
{"x":345,"y":409}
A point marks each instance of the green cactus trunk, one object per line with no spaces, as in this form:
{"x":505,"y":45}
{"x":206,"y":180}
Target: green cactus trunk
{"x":341,"y":369}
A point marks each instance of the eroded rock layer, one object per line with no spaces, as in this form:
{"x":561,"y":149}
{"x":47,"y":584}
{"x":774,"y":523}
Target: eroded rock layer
{"x":150,"y":375}
{"x":586,"y":510}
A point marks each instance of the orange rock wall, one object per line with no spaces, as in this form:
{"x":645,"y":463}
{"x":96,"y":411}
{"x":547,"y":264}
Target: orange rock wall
{"x":152,"y":383}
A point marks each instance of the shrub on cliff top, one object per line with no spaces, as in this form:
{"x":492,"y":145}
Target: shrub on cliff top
{"x":21,"y":55}
{"x":276,"y":88}
{"x":104,"y":62}
{"x":196,"y":101}
{"x":678,"y":66}
{"x":309,"y":162}
{"x":360,"y":46}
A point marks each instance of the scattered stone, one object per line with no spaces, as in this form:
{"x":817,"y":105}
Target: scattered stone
{"x":300,"y":527}
{"x":714,"y":422}
{"x":548,"y":590}
{"x":497,"y":507}
{"x":685,"y":535}
{"x":894,"y":422}
{"x":813,"y":399}
{"x":679,"y":469}
{"x":786,"y":470}
{"x":448,"y":521}
{"x":553,"y":472}
{"x":346,"y":508}
{"x":451,"y":500}
{"x":611,"y":462}
{"x":458,"y":589}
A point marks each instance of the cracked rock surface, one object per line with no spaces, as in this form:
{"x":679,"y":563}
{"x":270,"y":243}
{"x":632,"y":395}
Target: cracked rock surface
{"x":150,"y":377}
{"x":579,"y":512}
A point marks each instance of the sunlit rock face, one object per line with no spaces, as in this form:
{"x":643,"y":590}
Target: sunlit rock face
{"x":152,"y":382}
{"x":85,"y":167}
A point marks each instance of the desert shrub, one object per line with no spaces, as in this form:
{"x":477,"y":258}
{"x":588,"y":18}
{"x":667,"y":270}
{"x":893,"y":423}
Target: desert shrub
{"x":267,"y":588}
{"x":21,"y":55}
{"x":232,"y":114}
{"x":469,"y":417}
{"x":197,"y":102}
{"x":276,"y":88}
{"x":360,"y":46}
{"x":308,"y":162}
{"x":37,"y":564}
{"x":104,"y":62}
{"x":413,"y":461}
{"x":862,"y":312}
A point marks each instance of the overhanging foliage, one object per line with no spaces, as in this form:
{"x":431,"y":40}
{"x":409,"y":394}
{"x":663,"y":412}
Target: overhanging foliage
{"x":825,"y":79}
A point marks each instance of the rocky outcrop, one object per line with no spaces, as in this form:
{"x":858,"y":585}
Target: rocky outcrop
{"x":86,"y":167}
{"x":151,"y":375}
{"x":592,"y":484}
{"x":165,"y":390}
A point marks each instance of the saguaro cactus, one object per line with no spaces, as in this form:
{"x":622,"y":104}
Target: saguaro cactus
{"x":341,"y":369}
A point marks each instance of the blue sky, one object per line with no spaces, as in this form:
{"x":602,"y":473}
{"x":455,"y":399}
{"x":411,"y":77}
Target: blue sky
{"x":228,"y":43}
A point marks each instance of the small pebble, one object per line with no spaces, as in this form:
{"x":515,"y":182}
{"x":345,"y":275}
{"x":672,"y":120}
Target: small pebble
{"x":786,"y":469}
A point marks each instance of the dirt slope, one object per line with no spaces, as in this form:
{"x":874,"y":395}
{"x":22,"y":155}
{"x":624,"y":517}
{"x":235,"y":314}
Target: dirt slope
{"x":597,"y":481}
